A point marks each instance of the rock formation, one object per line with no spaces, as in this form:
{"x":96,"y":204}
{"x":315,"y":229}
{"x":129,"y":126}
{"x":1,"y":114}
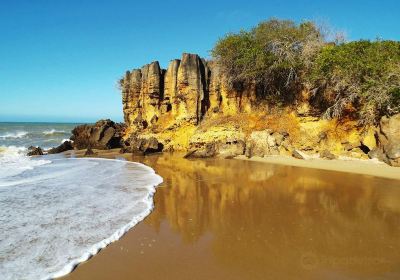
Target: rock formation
{"x":34,"y":151}
{"x":189,"y":107}
{"x":65,"y":146}
{"x":104,"y":134}
{"x":389,"y":140}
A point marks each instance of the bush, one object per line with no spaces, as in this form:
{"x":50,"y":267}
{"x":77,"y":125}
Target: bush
{"x":362,"y":77}
{"x":272,"y":55}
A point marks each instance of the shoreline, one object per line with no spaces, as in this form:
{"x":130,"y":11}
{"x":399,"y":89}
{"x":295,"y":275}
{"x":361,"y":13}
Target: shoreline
{"x":352,"y":166}
{"x":369,"y":167}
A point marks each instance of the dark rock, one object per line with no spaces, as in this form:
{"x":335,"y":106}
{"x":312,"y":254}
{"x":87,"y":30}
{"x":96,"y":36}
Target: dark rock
{"x":89,"y":152}
{"x":65,"y":146}
{"x":34,"y":151}
{"x":296,"y":154}
{"x":144,"y":146}
{"x":104,"y":134}
{"x":327,"y":155}
{"x":151,"y":145}
{"x":364,"y":149}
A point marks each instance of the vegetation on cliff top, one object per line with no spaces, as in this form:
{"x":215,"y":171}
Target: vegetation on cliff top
{"x":358,"y":79}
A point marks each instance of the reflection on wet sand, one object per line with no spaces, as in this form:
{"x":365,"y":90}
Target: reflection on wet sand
{"x":233,"y":219}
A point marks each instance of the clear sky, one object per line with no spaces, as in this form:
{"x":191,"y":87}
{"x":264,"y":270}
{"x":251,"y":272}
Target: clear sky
{"x":60,"y":59}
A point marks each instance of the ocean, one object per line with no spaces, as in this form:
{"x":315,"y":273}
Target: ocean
{"x":56,"y":212}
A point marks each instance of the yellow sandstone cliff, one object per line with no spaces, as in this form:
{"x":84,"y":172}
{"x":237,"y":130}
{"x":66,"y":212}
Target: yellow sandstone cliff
{"x":188,"y":107}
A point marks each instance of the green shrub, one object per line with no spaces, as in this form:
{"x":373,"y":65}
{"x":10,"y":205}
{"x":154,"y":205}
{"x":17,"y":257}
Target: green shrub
{"x":361,"y":75}
{"x":272,"y":55}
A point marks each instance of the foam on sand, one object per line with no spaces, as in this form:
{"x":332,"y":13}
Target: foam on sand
{"x":59,"y":214}
{"x":13,"y":161}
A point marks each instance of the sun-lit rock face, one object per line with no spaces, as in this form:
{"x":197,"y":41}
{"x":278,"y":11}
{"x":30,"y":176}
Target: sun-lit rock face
{"x":389,"y":139}
{"x":186,"y":91}
{"x":131,"y":92}
{"x":191,"y":101}
{"x":190,"y":107}
{"x":170,"y":86}
{"x":151,"y":91}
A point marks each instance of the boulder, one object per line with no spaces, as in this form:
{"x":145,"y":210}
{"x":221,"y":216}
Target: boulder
{"x":219,"y":141}
{"x":104,"y":134}
{"x":378,"y":154}
{"x":65,"y":146}
{"x":223,"y":149}
{"x":259,"y":143}
{"x":150,"y":145}
{"x":208,"y":150}
{"x":389,"y":138}
{"x":327,"y":155}
{"x":143,"y":146}
{"x":34,"y":151}
{"x":297,"y":154}
{"x":267,"y":142}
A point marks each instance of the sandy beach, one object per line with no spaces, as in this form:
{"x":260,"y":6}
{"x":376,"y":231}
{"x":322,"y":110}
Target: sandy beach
{"x":236,"y":219}
{"x":365,"y":167}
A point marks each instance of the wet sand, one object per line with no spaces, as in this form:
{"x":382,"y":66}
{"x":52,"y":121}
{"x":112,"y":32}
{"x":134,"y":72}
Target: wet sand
{"x":235,"y":219}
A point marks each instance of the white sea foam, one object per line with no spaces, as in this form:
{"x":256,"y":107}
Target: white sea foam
{"x":56,"y":215}
{"x":13,"y":161}
{"x":64,"y":140}
{"x":53,"y":131}
{"x":17,"y":134}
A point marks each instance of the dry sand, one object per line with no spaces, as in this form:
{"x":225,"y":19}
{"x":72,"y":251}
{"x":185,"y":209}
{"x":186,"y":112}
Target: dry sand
{"x":365,"y":167}
{"x":236,"y":219}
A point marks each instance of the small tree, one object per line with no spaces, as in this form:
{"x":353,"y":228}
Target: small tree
{"x":273,"y":55}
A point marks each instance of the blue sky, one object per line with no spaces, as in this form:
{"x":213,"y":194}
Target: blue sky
{"x":60,"y":59}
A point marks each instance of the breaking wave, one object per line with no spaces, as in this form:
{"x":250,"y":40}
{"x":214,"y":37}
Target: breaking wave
{"x":57,"y":212}
{"x":17,"y":134}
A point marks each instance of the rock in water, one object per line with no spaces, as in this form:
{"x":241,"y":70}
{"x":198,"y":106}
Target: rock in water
{"x":34,"y":151}
{"x":104,"y":134}
{"x":65,"y":146}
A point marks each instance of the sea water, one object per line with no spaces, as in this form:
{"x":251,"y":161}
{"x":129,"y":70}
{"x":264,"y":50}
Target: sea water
{"x":45,"y":135}
{"x":57,"y":212}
